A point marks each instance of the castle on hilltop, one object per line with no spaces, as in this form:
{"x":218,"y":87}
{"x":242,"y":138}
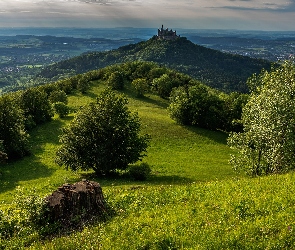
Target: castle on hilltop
{"x":166,"y":34}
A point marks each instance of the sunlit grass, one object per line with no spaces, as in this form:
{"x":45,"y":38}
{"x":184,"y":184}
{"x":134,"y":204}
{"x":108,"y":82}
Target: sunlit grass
{"x":177,"y":154}
{"x":189,"y":199}
{"x":233,"y":214}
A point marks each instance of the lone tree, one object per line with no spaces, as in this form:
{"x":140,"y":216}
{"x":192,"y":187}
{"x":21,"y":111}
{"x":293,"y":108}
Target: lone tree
{"x":267,"y":143}
{"x":104,"y":136}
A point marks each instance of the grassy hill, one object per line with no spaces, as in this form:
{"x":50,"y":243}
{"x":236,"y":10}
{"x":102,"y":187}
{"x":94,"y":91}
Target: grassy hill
{"x":194,"y":200}
{"x":220,"y":70}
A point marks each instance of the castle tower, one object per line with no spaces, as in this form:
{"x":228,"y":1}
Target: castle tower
{"x":166,"y":34}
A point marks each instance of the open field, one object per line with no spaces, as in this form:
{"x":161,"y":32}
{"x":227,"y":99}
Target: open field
{"x":193,"y":200}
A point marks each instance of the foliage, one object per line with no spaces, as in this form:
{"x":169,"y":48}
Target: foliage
{"x":3,"y":155}
{"x":12,"y":132}
{"x":116,"y":80}
{"x":267,"y":143}
{"x":58,"y":96}
{"x":36,"y":106}
{"x":233,"y":105}
{"x":140,"y":86}
{"x":202,"y":106}
{"x":83,"y":83}
{"x":104,"y":136}
{"x":140,"y":172}
{"x":162,"y":85}
{"x":61,"y":109}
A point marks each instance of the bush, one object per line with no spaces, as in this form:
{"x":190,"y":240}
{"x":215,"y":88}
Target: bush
{"x":35,"y":104}
{"x":103,"y":136}
{"x":13,"y":137}
{"x":116,"y":80}
{"x":3,"y":155}
{"x":140,"y":85}
{"x":83,"y":84}
{"x":61,"y":109}
{"x":140,"y":172}
{"x":58,"y":96}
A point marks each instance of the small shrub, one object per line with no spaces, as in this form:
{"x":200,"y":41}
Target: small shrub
{"x":3,"y":155}
{"x":83,"y":85}
{"x":104,"y":136}
{"x":116,"y":80}
{"x":61,"y":109}
{"x":58,"y":96}
{"x":140,"y":172}
{"x":7,"y":226}
{"x":140,"y":86}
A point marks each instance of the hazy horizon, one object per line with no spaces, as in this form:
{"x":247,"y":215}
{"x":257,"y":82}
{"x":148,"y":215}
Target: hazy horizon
{"x":269,"y":15}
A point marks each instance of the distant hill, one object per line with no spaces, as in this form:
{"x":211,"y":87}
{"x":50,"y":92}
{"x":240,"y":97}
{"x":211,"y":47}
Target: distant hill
{"x":220,"y":70}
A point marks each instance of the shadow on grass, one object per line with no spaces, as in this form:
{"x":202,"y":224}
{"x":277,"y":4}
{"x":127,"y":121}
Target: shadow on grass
{"x":91,"y":95}
{"x":47,"y":133}
{"x":27,"y":169}
{"x":216,"y":136}
{"x":130,"y":93}
{"x":169,"y":180}
{"x":30,"y":167}
{"x":163,"y":104}
{"x":125,"y":179}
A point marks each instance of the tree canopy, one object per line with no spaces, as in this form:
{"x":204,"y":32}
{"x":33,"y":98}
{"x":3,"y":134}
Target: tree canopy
{"x":104,"y":136}
{"x":13,"y":137}
{"x":267,"y":143}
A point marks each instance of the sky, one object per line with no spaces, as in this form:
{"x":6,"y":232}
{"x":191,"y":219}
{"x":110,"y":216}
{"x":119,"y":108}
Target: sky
{"x":273,"y":15}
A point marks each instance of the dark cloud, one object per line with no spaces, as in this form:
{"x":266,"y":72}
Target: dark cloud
{"x":267,"y":6}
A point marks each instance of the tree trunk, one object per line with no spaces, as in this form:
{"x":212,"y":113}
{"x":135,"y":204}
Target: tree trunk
{"x":78,"y":201}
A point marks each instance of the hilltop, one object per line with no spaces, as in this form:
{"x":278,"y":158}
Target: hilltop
{"x":220,"y":70}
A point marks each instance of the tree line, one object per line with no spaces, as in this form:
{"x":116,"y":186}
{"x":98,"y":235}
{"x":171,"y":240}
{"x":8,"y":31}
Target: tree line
{"x":23,"y":110}
{"x":191,"y":102}
{"x":261,"y":124}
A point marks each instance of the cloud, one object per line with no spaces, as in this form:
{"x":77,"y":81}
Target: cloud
{"x":149,"y":13}
{"x":251,"y":5}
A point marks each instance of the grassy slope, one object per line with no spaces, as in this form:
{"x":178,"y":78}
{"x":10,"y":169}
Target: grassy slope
{"x":177,"y":154}
{"x":193,"y":201}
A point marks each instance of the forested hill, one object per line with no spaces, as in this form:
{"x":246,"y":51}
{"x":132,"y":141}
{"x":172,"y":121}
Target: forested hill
{"x":220,"y":70}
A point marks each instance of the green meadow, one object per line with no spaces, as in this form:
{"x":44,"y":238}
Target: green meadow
{"x":192,"y":200}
